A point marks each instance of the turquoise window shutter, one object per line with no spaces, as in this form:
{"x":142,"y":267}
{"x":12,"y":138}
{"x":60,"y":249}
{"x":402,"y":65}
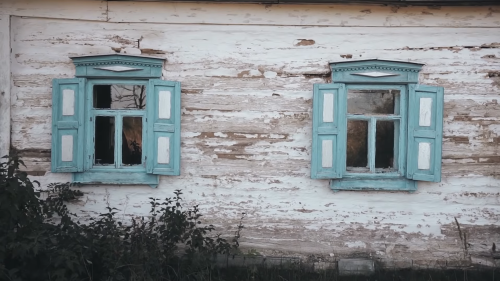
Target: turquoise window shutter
{"x":164,"y":127}
{"x":425,"y":132}
{"x":67,"y":124}
{"x":329,"y":126}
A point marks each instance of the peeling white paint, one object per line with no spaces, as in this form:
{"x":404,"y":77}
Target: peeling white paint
{"x":247,"y":109}
{"x":66,"y":148}
{"x":356,"y":244}
{"x":327,"y":153}
{"x":164,"y":106}
{"x":270,"y":74}
{"x":328,"y":108}
{"x":425,"y":113}
{"x":163,"y":150}
{"x":68,"y":105}
{"x":424,"y":156}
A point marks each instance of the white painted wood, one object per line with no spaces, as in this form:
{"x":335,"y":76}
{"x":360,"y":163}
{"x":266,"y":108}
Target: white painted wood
{"x":68,"y":103}
{"x":164,"y":106}
{"x":67,"y":9}
{"x":425,"y":114}
{"x":163,"y":153}
{"x":328,"y":108}
{"x":327,"y":153}
{"x":67,"y":148}
{"x":375,"y":74}
{"x":5,"y":100}
{"x":246,"y":119}
{"x":300,"y":15}
{"x":118,"y":68}
{"x":424,"y":156}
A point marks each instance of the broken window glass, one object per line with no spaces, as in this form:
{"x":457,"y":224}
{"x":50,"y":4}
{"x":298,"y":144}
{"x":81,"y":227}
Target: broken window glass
{"x":119,"y":96}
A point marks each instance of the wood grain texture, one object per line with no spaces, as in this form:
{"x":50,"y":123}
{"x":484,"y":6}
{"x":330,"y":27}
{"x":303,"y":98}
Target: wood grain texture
{"x":64,"y":9}
{"x":5,"y":75}
{"x":247,"y":119}
{"x":303,"y":15}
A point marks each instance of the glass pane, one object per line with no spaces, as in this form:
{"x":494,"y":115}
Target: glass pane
{"x":132,"y":141}
{"x":120,"y":96}
{"x":104,"y":140}
{"x":357,"y":145}
{"x":373,"y":102}
{"x":384,"y":145}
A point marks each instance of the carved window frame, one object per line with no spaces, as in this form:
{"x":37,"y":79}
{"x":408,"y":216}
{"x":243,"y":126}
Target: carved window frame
{"x":73,"y":120}
{"x":421,"y":126}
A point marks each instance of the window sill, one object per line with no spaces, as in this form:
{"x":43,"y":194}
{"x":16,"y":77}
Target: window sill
{"x":388,"y":184}
{"x":116,"y":178}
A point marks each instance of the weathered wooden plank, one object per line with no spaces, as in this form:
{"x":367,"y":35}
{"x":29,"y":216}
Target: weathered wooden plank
{"x":5,"y":99}
{"x":302,"y":15}
{"x":369,"y":2}
{"x":473,"y":47}
{"x":246,"y":118}
{"x":63,"y":9}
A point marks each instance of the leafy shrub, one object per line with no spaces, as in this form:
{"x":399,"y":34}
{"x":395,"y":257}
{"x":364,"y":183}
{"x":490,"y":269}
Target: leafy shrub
{"x":41,"y":240}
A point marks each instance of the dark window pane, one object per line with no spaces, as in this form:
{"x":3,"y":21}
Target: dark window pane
{"x":104,"y":140}
{"x":373,"y":102}
{"x":132,"y":141}
{"x":357,"y":145}
{"x":384,"y":143}
{"x":120,"y":96}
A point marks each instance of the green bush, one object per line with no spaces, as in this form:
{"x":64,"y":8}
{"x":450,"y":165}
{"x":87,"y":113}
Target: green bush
{"x":41,"y":240}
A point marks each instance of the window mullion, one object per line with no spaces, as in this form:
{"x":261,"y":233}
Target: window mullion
{"x":118,"y":139}
{"x":372,"y":130}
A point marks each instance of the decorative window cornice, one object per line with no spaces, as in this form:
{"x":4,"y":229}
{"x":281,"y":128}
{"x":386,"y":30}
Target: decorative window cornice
{"x":343,"y":69}
{"x":118,"y":66}
{"x":117,"y":62}
{"x":375,"y":71}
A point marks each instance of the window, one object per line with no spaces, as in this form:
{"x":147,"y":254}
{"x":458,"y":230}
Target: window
{"x":376,"y":128}
{"x":115,"y":123}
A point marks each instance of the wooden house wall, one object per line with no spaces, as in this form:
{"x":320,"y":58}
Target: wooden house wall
{"x":247,"y":72}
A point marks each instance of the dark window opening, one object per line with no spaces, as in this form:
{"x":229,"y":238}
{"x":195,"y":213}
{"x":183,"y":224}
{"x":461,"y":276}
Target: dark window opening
{"x":373,"y":101}
{"x":357,"y":144}
{"x":104,"y":140}
{"x":132,"y":141}
{"x":384,"y":145}
{"x":119,"y":96}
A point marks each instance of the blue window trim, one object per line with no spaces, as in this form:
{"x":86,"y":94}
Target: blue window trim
{"x":108,"y":70}
{"x":90,"y":115}
{"x":401,"y":119}
{"x":113,"y":174}
{"x":377,"y":75}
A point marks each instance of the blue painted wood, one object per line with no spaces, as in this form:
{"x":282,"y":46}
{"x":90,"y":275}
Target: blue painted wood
{"x":333,"y":131}
{"x":127,"y":66}
{"x":115,"y":177}
{"x":72,"y":125}
{"x":392,"y":75}
{"x":157,"y":127}
{"x":108,"y":70}
{"x":118,"y":114}
{"x":432,"y":134}
{"x":372,"y":129}
{"x":396,"y":184}
{"x":354,"y":72}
